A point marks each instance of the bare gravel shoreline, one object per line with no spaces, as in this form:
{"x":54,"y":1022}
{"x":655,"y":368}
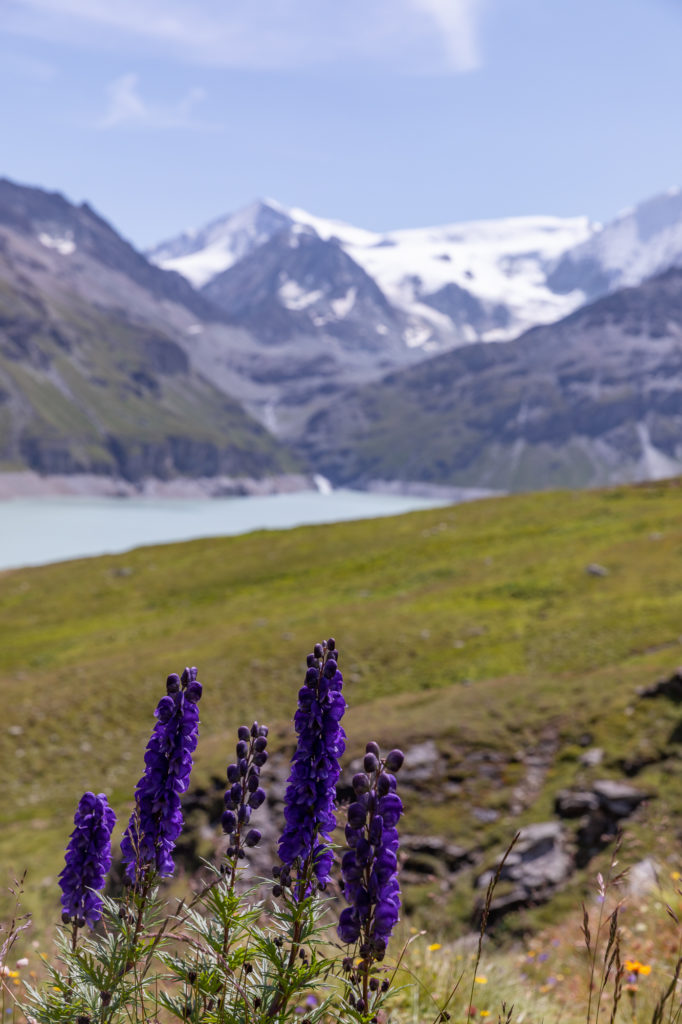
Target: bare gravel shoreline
{"x":27,"y":484}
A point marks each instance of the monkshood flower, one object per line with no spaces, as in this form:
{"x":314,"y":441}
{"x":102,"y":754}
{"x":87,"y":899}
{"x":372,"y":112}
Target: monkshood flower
{"x":370,"y":865}
{"x":156,"y":822}
{"x":88,"y":858}
{"x":244,"y":793}
{"x":310,"y":795}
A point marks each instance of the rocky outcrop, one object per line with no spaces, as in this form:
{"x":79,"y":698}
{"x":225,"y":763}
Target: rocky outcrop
{"x":600,"y":810}
{"x":425,"y":857}
{"x":671,"y":687}
{"x":539,"y":864}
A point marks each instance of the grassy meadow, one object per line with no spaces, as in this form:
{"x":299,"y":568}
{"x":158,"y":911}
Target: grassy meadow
{"x":475,"y":626}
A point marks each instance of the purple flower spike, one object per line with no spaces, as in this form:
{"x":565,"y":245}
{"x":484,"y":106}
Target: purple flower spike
{"x":244,"y":793}
{"x":88,"y":858}
{"x":311,"y":791}
{"x":370,"y":866}
{"x":157,"y":821}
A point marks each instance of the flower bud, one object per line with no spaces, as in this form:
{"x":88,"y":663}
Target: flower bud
{"x":370,"y":762}
{"x":383,"y":785}
{"x":243,"y":733}
{"x":357,"y":815}
{"x":361,"y":783}
{"x":229,"y":822}
{"x":194,"y":691}
{"x":253,"y":837}
{"x":260,"y":744}
{"x":165,"y":709}
{"x":173,"y":683}
{"x":242,"y":749}
{"x":318,"y":650}
{"x":394,"y":760}
{"x":373,"y":748}
{"x":257,"y":798}
{"x":233,"y":773}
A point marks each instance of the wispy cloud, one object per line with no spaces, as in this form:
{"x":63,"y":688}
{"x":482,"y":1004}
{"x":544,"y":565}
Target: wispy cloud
{"x":457,"y":23}
{"x":268,"y":34}
{"x":126,"y":107}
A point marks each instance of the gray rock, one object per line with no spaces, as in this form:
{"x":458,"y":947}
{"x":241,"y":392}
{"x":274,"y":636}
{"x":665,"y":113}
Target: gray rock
{"x":486,"y":815}
{"x":432,"y":855}
{"x":422,"y":762}
{"x":592,"y":757}
{"x":451,"y":854}
{"x":670,"y":688}
{"x":643,"y":877}
{"x":539,"y":862}
{"x":573,"y":803}
{"x":618,"y":798}
{"x":594,"y":569}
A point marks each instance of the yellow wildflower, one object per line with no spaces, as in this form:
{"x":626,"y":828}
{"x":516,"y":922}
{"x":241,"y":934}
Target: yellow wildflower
{"x":481,"y":979}
{"x":635,"y":967}
{"x":433,"y":947}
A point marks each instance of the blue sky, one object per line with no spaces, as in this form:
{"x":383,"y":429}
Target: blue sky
{"x":386,"y":113}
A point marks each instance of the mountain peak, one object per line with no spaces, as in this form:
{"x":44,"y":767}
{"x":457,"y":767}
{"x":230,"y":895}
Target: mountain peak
{"x":201,"y":254}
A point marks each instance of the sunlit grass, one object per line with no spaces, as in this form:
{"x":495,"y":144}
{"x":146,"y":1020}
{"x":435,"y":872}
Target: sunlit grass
{"x":476,"y":625}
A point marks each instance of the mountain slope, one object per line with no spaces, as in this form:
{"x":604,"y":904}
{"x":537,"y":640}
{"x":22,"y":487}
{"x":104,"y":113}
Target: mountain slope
{"x":93,"y":373}
{"x":81,"y":235}
{"x":594,"y":398}
{"x":297,"y":284}
{"x":456,"y":284}
{"x":465,"y":282}
{"x":638,"y":244}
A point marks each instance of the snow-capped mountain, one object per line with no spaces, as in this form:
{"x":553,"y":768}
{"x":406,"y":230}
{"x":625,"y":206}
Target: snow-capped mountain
{"x":485,"y":280}
{"x":639,"y":243}
{"x":297,"y":284}
{"x":474,"y":281}
{"x":593,"y":399}
{"x":201,"y":255}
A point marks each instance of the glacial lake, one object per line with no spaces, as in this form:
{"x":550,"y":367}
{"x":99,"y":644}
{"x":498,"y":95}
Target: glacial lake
{"x":34,"y":531}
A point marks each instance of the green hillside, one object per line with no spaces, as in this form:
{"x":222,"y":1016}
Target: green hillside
{"x":86,"y":389}
{"x":476,"y":626}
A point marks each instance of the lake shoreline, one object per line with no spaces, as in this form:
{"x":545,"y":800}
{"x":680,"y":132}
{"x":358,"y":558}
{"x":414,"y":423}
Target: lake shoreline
{"x":39,"y":529}
{"x":29,"y":484}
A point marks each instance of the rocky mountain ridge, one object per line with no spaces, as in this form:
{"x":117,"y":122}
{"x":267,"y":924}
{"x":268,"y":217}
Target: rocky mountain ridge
{"x":315,"y":336}
{"x":96,"y":370}
{"x":458,"y":283}
{"x":592,"y":399}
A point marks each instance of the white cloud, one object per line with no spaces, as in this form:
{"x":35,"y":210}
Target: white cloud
{"x":127,"y":107}
{"x":266,"y":34}
{"x":457,"y":23}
